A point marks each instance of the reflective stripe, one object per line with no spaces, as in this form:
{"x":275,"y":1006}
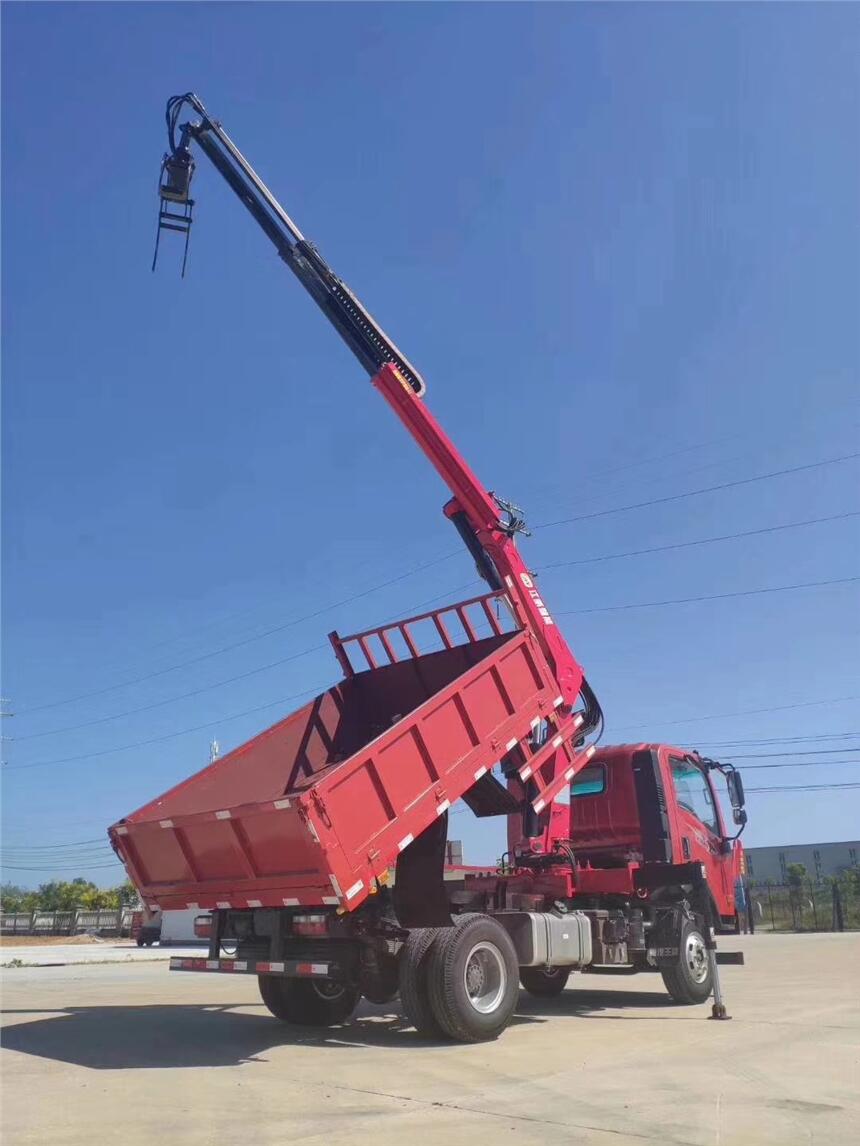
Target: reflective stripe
{"x":319,"y":968}
{"x":351,"y":892}
{"x":222,"y":903}
{"x":197,"y":905}
{"x":166,"y":823}
{"x":578,"y":720}
{"x":569,"y":774}
{"x":281,"y":804}
{"x":512,"y":744}
{"x":291,"y":903}
{"x":525,"y":772}
{"x":313,"y":831}
{"x":211,"y":964}
{"x":536,"y":722}
{"x":405,"y":842}
{"x":331,"y":900}
{"x":539,"y":805}
{"x":590,"y":750}
{"x":336,"y":886}
{"x":558,"y":741}
{"x":122,"y":831}
{"x":222,"y":815}
{"x":558,"y":702}
{"x":443,"y":807}
{"x":480,"y":773}
{"x":255,"y":903}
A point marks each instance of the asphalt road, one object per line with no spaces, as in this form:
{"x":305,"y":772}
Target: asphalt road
{"x":134,"y":1053}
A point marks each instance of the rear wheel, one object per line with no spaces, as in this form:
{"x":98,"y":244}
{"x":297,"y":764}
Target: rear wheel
{"x":414,"y":992}
{"x":545,"y":982}
{"x":473,"y":980}
{"x":413,"y":975}
{"x":308,"y":1002}
{"x":690,"y":980}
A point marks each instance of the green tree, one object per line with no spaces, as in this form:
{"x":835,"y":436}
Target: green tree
{"x":64,"y":895}
{"x":14,"y":898}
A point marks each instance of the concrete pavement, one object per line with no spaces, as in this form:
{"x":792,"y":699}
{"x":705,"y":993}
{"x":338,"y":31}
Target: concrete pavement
{"x":64,"y":954}
{"x":137,"y":1051}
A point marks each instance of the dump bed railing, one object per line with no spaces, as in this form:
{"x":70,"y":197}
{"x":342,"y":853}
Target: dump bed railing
{"x":470,"y":613}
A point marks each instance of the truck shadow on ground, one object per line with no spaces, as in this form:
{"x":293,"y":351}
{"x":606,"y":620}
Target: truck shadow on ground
{"x":182,"y":1035}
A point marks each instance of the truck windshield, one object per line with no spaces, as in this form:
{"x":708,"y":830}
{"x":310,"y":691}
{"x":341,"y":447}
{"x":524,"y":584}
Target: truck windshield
{"x":694,"y":792}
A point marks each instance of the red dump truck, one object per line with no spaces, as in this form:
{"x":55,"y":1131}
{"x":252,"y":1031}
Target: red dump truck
{"x":315,"y":852}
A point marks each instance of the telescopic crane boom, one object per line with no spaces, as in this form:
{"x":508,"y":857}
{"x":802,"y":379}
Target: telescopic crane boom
{"x":486,"y":523}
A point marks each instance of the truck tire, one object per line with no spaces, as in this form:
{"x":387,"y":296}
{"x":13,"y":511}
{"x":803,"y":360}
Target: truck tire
{"x":414,"y":992}
{"x":690,"y":980}
{"x":413,"y":971}
{"x":473,"y":977}
{"x":308,"y":1002}
{"x":544,"y":982}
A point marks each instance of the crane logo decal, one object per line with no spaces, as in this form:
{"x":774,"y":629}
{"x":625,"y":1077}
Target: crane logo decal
{"x":535,"y":596}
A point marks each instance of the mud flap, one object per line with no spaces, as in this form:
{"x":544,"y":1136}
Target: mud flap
{"x":419,"y":883}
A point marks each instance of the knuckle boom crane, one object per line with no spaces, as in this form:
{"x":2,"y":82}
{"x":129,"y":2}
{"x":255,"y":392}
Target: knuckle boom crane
{"x":487,"y":524}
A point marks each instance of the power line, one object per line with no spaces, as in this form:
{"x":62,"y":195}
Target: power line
{"x":239,"y":644}
{"x":401,"y":577}
{"x":803,"y":787}
{"x":698,"y":492}
{"x":750,"y":711}
{"x":607,"y":608}
{"x":170,"y":699}
{"x":168,"y":736}
{"x":712,"y":597}
{"x":783,"y":739}
{"x":700,"y":541}
{"x":62,"y":867}
{"x":801,"y":764}
{"x":71,"y":844}
{"x":209,"y":687}
{"x":803,"y":752}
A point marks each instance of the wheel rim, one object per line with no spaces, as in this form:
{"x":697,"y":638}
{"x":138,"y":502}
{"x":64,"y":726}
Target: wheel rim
{"x":485,"y":978}
{"x":328,"y":990}
{"x":697,"y":957}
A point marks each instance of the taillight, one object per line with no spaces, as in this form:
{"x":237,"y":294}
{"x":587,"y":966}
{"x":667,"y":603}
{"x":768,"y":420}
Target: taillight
{"x":310,"y":924}
{"x":203,"y":926}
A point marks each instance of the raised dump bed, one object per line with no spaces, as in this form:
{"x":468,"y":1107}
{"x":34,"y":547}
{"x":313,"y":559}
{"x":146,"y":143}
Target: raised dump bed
{"x":318,"y":807}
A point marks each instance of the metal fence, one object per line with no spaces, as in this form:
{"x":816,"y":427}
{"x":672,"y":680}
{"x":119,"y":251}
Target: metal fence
{"x":809,"y":906}
{"x":111,"y":921}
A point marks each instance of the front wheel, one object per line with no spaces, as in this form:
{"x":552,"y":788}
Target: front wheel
{"x":544,"y":982}
{"x":691,"y":979}
{"x":473,"y":980}
{"x":308,"y":1002}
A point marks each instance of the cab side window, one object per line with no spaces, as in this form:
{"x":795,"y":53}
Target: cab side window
{"x":694,"y":792}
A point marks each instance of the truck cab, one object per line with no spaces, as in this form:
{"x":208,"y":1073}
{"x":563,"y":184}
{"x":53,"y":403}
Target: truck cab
{"x":653,"y":803}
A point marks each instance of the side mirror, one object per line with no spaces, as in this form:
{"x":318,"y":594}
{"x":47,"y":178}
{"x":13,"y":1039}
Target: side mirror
{"x":739,"y":816}
{"x":735,"y":785}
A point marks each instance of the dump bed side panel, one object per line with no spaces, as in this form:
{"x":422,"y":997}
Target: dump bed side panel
{"x":321,"y":827}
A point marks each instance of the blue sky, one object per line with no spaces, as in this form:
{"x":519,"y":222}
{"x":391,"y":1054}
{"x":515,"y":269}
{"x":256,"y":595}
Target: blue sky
{"x":621,"y":244}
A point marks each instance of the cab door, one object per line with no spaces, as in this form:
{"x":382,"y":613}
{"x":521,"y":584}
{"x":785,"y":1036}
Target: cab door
{"x":700,"y":828}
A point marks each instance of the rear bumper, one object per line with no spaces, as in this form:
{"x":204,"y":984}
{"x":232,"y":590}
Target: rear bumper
{"x":288,"y":968}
